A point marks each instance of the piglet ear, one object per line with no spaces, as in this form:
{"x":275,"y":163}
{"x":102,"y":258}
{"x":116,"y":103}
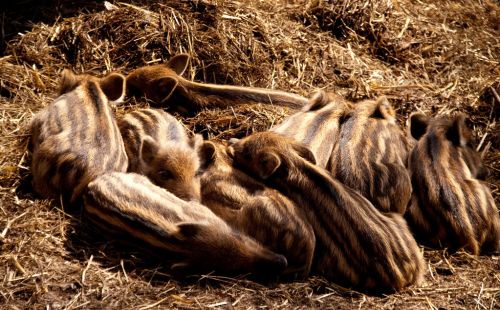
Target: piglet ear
{"x":114,"y":86}
{"x":346,"y":114}
{"x":318,"y":100}
{"x":163,"y":88}
{"x":418,"y":124}
{"x":456,"y":132}
{"x":68,"y":81}
{"x":206,"y":153}
{"x":179,"y":63}
{"x":196,"y":141}
{"x":230,"y":148}
{"x":268,"y":163}
{"x":304,"y":152}
{"x":149,"y":148}
{"x":383,"y":109}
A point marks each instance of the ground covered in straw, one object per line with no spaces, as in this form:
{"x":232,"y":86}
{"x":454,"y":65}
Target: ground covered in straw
{"x":438,"y":57}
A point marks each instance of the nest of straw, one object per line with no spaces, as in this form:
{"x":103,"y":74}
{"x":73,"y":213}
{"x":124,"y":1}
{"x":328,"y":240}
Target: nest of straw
{"x":436,"y":57}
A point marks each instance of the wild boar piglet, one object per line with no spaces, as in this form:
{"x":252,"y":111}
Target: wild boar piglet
{"x":75,"y":138}
{"x":159,"y":147}
{"x":360,"y":144}
{"x":371,"y":156}
{"x":450,"y":207}
{"x":317,"y":125}
{"x":165,"y":86}
{"x":256,"y":210}
{"x":187,"y":231}
{"x":356,"y":245}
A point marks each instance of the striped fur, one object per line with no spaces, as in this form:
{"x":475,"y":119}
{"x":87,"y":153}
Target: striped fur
{"x":318,"y":125}
{"x":159,"y":147}
{"x":75,"y":139}
{"x":450,"y":207}
{"x":356,"y":245}
{"x":371,"y":156}
{"x":256,"y":210}
{"x":164,"y":85}
{"x":131,"y":204}
{"x":360,"y":144}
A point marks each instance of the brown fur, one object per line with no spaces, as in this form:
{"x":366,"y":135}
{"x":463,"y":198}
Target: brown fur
{"x":75,"y":139}
{"x":356,"y":245}
{"x":256,"y":210}
{"x":371,"y":156}
{"x":318,"y":125}
{"x":450,"y":207}
{"x":159,"y":147}
{"x":130,"y":203}
{"x":360,"y":144}
{"x":164,"y":85}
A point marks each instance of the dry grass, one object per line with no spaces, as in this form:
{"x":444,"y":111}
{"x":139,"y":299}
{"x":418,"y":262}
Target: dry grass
{"x":436,"y":57}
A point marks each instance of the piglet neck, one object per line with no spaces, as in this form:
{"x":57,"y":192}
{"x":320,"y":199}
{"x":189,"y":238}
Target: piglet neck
{"x":442,"y":156}
{"x":301,"y":177}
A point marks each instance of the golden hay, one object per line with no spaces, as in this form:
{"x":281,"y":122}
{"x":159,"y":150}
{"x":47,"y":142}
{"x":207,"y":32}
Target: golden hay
{"x":436,"y":57}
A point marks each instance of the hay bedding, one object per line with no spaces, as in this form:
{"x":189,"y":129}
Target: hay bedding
{"x":436,"y":57}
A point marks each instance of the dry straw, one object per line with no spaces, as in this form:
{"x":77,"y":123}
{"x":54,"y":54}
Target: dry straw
{"x":431,"y":56}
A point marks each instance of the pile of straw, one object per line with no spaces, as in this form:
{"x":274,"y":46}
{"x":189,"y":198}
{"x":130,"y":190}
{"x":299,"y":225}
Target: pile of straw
{"x":436,"y":57}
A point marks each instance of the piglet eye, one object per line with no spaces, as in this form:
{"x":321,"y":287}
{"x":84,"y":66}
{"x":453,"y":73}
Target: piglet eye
{"x":165,"y":175}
